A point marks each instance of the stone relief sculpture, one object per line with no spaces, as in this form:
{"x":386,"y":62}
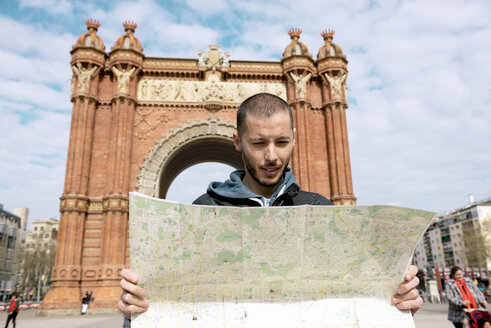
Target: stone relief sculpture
{"x":198,"y":91}
{"x":224,"y":59}
{"x":157,"y":92}
{"x":83,"y":76}
{"x":240,"y":91}
{"x":123,"y":79}
{"x":182,"y":91}
{"x":336,"y":82}
{"x":213,"y":58}
{"x":214,"y":92}
{"x":300,"y":84}
{"x":280,"y":90}
{"x":202,"y":58}
{"x":144,"y":89}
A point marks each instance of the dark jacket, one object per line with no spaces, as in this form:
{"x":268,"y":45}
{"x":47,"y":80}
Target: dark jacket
{"x":234,"y":193}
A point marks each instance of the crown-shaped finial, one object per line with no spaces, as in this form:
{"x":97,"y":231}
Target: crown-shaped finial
{"x":92,"y":23}
{"x":329,"y":33}
{"x":294,"y":32}
{"x":129,"y":25}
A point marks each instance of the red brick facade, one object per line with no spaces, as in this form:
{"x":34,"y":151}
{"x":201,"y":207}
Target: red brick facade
{"x":138,"y":121}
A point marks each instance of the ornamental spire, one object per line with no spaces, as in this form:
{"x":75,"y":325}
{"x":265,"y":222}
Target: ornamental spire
{"x":92,"y":24}
{"x":326,"y":34}
{"x":130,"y":26}
{"x":294,"y":33}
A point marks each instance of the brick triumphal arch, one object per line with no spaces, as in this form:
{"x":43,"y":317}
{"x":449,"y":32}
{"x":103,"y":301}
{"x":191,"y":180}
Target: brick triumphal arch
{"x":138,"y":121}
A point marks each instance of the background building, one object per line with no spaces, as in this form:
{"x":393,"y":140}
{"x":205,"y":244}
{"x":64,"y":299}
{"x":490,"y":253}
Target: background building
{"x":460,"y":237}
{"x":39,"y":258}
{"x":12,"y":234}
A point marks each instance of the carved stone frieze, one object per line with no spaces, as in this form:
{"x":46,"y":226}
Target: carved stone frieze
{"x":204,"y":91}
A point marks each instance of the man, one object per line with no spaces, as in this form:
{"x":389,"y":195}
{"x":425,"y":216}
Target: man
{"x":265,"y":138}
{"x":13,"y":309}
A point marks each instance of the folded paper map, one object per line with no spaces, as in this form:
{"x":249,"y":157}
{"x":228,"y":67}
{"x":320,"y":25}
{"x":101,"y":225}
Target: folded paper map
{"x":302,"y":266}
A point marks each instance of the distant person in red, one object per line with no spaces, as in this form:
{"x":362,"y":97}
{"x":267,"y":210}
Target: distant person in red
{"x":13,"y":309}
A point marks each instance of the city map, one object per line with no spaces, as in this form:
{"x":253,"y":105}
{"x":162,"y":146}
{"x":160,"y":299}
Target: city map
{"x":304,"y":266}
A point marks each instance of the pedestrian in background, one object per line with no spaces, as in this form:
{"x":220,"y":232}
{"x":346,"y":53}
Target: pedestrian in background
{"x":13,"y":309}
{"x":461,"y":293}
{"x":85,"y":301}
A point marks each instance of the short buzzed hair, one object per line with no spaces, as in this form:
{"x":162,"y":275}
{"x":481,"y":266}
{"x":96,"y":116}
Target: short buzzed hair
{"x":262,"y":105}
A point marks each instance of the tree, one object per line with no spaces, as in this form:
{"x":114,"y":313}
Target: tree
{"x":36,"y":270}
{"x":476,"y":248}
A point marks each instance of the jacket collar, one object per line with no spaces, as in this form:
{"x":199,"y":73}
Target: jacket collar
{"x":235,"y":189}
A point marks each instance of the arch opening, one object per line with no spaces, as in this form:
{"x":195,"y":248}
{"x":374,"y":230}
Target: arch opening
{"x":209,"y":149}
{"x":194,"y":181}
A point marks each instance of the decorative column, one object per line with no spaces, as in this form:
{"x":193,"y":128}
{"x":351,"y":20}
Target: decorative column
{"x":298,"y":68}
{"x":88,"y":58}
{"x":332,"y":67}
{"x":125,"y":62}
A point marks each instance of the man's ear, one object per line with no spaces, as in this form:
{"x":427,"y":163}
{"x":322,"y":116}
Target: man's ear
{"x":294,"y":137}
{"x":236,"y":142}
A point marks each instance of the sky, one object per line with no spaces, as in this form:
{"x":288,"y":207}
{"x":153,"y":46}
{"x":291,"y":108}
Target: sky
{"x":419,"y":84}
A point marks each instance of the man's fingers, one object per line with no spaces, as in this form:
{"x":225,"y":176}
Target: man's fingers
{"x":413,"y":305}
{"x":127,"y":309}
{"x":129,"y":275}
{"x":130,"y":299}
{"x":412,"y":271}
{"x":412,"y":295}
{"x":407,"y":286}
{"x":131,"y":288}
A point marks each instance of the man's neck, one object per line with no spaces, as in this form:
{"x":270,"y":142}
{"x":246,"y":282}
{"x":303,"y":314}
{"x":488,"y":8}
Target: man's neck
{"x":256,"y":188}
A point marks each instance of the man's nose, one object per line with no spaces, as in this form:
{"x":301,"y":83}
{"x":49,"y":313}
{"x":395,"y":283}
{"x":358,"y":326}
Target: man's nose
{"x":270,"y":154}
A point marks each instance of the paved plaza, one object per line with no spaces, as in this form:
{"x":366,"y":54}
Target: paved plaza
{"x":430,"y":316}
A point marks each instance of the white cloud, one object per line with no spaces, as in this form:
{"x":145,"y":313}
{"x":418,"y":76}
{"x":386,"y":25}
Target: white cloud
{"x":54,"y":7}
{"x":208,"y":7}
{"x":33,"y":161}
{"x":33,"y":40}
{"x":34,"y":93}
{"x":33,"y":69}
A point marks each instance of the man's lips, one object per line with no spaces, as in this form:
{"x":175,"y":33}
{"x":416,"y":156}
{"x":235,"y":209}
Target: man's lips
{"x":270,"y":171}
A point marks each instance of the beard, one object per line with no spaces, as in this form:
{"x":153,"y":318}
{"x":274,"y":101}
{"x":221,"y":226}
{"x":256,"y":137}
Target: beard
{"x":255,"y":175}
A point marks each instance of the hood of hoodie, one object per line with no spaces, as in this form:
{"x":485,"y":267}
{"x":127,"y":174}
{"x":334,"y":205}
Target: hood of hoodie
{"x":234,"y":188}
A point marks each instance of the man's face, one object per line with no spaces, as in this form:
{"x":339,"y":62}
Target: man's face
{"x":266,"y":146}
